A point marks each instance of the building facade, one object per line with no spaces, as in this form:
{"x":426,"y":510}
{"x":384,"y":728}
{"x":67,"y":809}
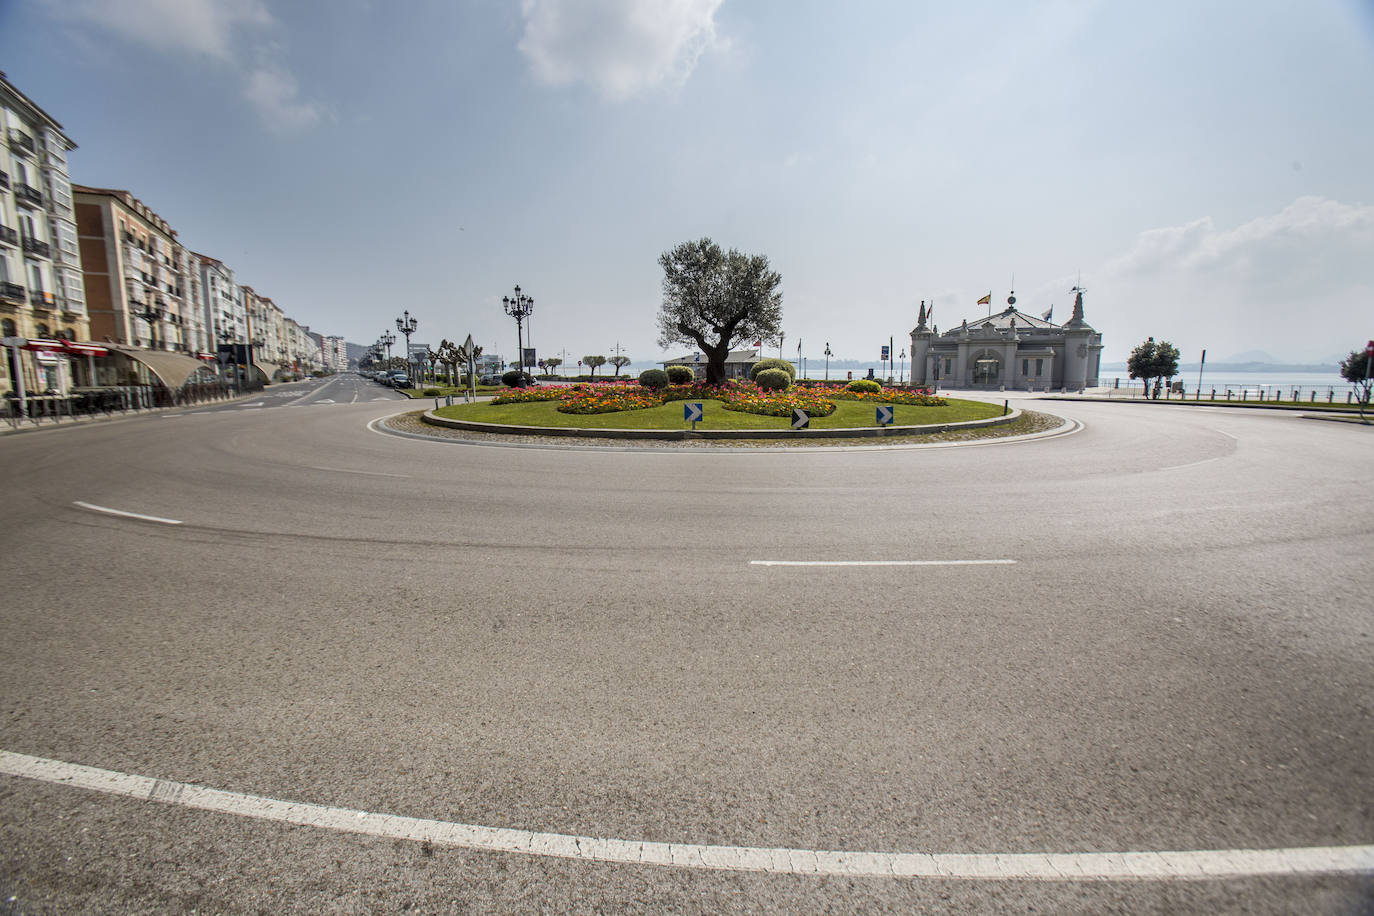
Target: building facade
{"x":1008,"y":350}
{"x":135,"y":272}
{"x":42,"y":293}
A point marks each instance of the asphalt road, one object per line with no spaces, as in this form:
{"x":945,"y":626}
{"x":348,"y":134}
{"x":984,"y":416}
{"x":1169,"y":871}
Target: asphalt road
{"x":574,"y":641}
{"x":345,"y":388}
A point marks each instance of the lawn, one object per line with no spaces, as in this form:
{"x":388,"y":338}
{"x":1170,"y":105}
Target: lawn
{"x":847,"y":415}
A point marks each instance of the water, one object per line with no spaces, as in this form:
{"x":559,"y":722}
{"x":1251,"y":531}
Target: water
{"x":1252,"y":386}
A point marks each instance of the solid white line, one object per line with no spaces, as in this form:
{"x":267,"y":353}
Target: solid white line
{"x":1226,"y":434}
{"x":1072,"y":866}
{"x":1193,"y":464}
{"x":317,"y":467}
{"x":882,"y":562}
{"x":145,"y":518}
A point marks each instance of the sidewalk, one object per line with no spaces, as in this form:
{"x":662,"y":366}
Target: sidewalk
{"x":12,"y":426}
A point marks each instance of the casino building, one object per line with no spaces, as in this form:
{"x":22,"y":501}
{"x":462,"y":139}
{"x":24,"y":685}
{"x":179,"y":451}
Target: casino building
{"x":1008,"y":350}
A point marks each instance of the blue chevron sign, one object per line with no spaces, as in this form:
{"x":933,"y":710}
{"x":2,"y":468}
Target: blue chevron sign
{"x":884,"y":415}
{"x":692,"y":412}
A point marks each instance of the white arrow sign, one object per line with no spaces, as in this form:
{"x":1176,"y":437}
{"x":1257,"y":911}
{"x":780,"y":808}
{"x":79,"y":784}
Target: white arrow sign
{"x":884,"y":415}
{"x":800,"y":418}
{"x":691,"y":412}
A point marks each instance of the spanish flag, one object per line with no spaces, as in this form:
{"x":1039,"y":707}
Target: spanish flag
{"x":986,"y":300}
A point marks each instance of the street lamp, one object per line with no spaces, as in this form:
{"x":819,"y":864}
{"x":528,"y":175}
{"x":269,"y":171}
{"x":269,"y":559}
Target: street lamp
{"x":386,"y":340}
{"x":407,"y":326}
{"x":901,"y":371}
{"x":519,"y":307}
{"x":827,"y":360}
{"x":151,"y":316}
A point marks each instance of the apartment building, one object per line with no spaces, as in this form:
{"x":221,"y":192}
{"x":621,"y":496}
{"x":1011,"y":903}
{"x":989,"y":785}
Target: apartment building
{"x":136,"y":274}
{"x":226,"y":321}
{"x":42,"y":295}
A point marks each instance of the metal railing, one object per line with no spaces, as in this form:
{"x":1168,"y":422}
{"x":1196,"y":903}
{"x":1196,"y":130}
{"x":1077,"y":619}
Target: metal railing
{"x":88,"y":403}
{"x":1259,"y":393}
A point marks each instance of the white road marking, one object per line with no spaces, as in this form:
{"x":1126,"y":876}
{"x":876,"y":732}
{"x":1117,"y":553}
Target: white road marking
{"x":122,"y":514}
{"x":882,"y":562}
{"x":1226,"y":434}
{"x":317,"y":467}
{"x":1193,"y":464}
{"x":1070,"y":866}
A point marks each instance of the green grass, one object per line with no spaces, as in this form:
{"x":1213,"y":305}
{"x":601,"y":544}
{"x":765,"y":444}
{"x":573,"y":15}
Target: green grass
{"x":847,"y":415}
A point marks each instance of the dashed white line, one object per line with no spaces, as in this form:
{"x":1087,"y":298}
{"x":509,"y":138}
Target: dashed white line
{"x":882,"y":562}
{"x":317,"y":467}
{"x":1073,"y":866}
{"x":1192,"y":464}
{"x":143,"y":518}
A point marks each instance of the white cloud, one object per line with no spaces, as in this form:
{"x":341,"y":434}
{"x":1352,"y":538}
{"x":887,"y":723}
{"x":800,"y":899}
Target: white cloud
{"x":273,"y":93}
{"x":218,"y":29}
{"x":622,"y":48}
{"x":197,"y":26}
{"x":1295,"y":282}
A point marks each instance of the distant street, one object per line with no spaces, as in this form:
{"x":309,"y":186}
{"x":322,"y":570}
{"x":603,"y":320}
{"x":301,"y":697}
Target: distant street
{"x":1151,"y":635}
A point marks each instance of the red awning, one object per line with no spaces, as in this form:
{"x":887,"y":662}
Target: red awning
{"x":208,"y":357}
{"x":42,"y":345}
{"x":81,"y":349}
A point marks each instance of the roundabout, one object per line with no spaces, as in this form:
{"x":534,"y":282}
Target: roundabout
{"x":1144,"y":639}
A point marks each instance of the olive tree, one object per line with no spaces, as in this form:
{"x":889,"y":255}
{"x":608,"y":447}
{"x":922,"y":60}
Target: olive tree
{"x":620,"y":362}
{"x":1356,"y":369}
{"x":593,"y":362}
{"x":715,"y":299}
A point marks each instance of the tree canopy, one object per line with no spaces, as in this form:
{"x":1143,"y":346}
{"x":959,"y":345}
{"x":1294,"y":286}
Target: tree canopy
{"x":593,"y":362}
{"x":715,"y":300}
{"x":620,"y":362}
{"x":1152,"y":360}
{"x":1355,"y":369}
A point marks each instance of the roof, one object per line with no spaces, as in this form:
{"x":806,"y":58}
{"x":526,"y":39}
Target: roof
{"x":734,"y":356}
{"x":1003,"y":320}
{"x":172,"y":369}
{"x":42,"y":115}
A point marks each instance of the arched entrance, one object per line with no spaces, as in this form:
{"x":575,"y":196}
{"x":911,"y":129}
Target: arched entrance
{"x":987,"y":369}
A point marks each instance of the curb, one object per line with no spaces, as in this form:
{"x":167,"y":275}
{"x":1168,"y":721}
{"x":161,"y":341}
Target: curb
{"x":674,"y":435}
{"x":1183,"y":402}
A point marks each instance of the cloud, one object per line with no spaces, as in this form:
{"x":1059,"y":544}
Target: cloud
{"x":622,"y":48}
{"x":273,"y":93}
{"x":218,"y":29}
{"x":1295,"y":282}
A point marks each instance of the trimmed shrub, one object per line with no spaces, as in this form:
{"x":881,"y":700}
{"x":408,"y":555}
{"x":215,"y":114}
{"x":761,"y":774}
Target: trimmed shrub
{"x":764,"y":364}
{"x":864,"y":384}
{"x":678,"y":375}
{"x":432,"y":392}
{"x":654,"y":379}
{"x":773,"y":380}
{"x":513,"y":378}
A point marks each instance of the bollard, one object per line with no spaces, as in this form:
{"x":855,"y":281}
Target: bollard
{"x":1214,"y":394}
{"x":1006,"y":409}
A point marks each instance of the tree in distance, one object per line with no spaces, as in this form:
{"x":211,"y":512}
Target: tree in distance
{"x":594,"y":361}
{"x":552,"y":363}
{"x":620,"y":362}
{"x":1150,"y":360}
{"x":1356,"y":369}
{"x":715,"y":300}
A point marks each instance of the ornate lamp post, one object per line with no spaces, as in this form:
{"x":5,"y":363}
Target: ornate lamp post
{"x":827,"y":360}
{"x":407,"y":326}
{"x":151,"y":316}
{"x":901,"y":372}
{"x":386,"y":340}
{"x":519,"y":307}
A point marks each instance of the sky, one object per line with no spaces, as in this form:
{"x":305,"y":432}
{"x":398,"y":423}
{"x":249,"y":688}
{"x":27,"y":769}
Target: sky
{"x":1204,"y":170}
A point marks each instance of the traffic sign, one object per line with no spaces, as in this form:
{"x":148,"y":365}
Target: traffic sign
{"x":692,"y":412}
{"x":696,"y":358}
{"x":1369,"y":348}
{"x":800,"y":418}
{"x":886,"y":352}
{"x":884,"y":415}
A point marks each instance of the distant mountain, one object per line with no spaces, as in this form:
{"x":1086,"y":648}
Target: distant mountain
{"x":1330,"y":367}
{"x":1251,"y":356}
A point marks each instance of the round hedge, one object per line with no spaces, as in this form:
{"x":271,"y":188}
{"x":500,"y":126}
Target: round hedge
{"x":679,"y":375}
{"x":765,"y":364}
{"x":513,"y":378}
{"x":773,"y":380}
{"x":654,"y":379}
{"x":864,"y":384}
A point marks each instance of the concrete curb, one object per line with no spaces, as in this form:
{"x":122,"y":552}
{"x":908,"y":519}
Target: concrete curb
{"x":1182,"y":402}
{"x":673,"y":435}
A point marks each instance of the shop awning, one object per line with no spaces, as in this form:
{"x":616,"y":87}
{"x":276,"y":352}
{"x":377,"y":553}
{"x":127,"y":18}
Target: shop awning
{"x":83,"y":349}
{"x":40,"y":345}
{"x":172,"y":369}
{"x":268,"y":370}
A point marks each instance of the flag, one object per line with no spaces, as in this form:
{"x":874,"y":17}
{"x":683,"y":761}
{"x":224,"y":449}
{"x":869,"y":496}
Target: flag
{"x":1047,"y":315}
{"x":758,"y":343}
{"x":986,"y":300}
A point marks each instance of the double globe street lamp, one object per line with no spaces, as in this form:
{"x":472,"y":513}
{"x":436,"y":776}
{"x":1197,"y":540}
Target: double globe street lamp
{"x":386,"y":340}
{"x":407,"y":326}
{"x":519,"y":307}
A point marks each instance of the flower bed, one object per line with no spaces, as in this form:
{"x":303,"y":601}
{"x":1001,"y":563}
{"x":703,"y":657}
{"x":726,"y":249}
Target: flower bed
{"x":745,"y":397}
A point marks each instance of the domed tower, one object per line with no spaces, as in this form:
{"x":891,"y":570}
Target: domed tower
{"x":920,"y":348}
{"x":1082,"y":348}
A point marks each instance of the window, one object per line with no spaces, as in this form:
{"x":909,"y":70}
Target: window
{"x":1039,"y":367}
{"x":1025,"y":367}
{"x":36,"y":283}
{"x":985,"y":371}
{"x":8,"y":328}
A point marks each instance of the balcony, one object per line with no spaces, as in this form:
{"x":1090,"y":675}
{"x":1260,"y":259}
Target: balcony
{"x":41,"y":300}
{"x":9,"y":236}
{"x":4,"y":180}
{"x":21,"y":140}
{"x":11,"y":292}
{"x":32,"y":195}
{"x":33,"y":246}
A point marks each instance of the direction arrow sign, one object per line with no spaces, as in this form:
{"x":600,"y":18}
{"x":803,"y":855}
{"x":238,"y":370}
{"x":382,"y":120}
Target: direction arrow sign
{"x":691,"y":412}
{"x":800,"y":418}
{"x":884,"y":415}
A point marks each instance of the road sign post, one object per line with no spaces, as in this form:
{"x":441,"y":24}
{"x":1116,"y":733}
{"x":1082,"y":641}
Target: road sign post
{"x":800,"y":418}
{"x":692,"y":412}
{"x":884,"y":417}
